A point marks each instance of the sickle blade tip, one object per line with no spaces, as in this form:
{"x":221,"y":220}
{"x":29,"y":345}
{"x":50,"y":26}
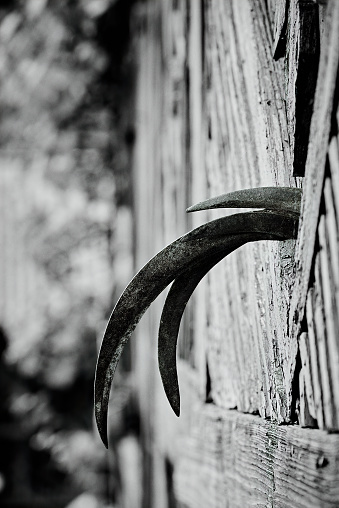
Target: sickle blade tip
{"x":102,"y":429}
{"x":198,"y":207}
{"x":176,"y":409}
{"x":173,"y":396}
{"x":103,"y":436}
{"x":271,"y":198}
{"x":189,"y":210}
{"x":101,"y":420}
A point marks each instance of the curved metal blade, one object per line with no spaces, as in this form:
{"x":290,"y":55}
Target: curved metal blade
{"x":284,"y":199}
{"x":175,"y":304}
{"x":160,"y":271}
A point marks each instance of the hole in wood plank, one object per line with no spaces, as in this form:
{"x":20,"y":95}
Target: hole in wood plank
{"x":295,"y":404}
{"x":322,"y":462}
{"x":209,"y":128}
{"x":208,"y":397}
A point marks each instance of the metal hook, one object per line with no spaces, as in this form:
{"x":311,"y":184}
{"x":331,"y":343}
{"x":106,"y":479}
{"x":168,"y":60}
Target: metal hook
{"x":186,"y":261}
{"x":282,"y":199}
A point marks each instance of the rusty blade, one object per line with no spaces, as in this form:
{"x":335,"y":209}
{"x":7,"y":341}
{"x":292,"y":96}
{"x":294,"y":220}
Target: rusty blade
{"x":175,"y":304}
{"x":284,"y":199}
{"x":160,"y":271}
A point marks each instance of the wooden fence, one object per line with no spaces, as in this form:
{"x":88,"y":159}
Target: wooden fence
{"x":227,"y":97}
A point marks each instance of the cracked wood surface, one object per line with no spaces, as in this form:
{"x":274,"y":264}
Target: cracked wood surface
{"x":251,"y":360}
{"x":316,"y":161}
{"x":316,"y":291}
{"x":240,"y":461}
{"x":212,"y":119}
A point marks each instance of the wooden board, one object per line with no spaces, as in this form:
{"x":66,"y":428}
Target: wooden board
{"x":251,"y":360}
{"x":301,"y":62}
{"x":212,"y":119}
{"x":316,"y":163}
{"x":237,"y":460}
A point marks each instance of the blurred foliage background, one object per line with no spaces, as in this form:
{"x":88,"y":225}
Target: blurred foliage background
{"x":66,"y":143}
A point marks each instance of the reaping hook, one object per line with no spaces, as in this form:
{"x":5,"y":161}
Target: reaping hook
{"x":186,"y":261}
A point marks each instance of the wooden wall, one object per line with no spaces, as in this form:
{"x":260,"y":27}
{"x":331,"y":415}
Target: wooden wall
{"x":225,"y":95}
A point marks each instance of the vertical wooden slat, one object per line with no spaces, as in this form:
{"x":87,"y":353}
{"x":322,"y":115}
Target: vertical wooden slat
{"x":308,"y":380}
{"x":333,"y":155}
{"x":316,"y":162}
{"x":321,"y":335}
{"x":315,"y":361}
{"x":302,"y":58}
{"x":239,"y":139}
{"x":330,"y":232}
{"x":329,"y":286}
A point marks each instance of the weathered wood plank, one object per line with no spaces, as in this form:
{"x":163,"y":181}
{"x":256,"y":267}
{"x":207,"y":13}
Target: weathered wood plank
{"x":333,"y":155}
{"x":322,"y":316}
{"x":302,"y":59}
{"x":226,"y":458}
{"x":331,"y":233}
{"x":270,"y":100}
{"x":239,"y":460}
{"x":161,"y":172}
{"x":250,"y":358}
{"x":322,"y":310}
{"x":319,"y":326}
{"x":322,"y":323}
{"x":197,"y":180}
{"x":310,"y":388}
{"x":328,"y":285}
{"x":316,"y":162}
{"x":315,"y":364}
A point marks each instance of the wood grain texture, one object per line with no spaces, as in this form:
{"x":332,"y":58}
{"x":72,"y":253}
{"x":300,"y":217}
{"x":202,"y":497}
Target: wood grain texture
{"x":240,"y":460}
{"x":307,"y":388}
{"x":316,"y":163}
{"x":319,"y":347}
{"x":302,"y":59}
{"x":212,"y":119}
{"x":322,"y":303}
{"x":250,"y":358}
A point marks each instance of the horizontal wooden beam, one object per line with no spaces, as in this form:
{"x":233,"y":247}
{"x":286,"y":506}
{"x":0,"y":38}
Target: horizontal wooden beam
{"x":239,"y":460}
